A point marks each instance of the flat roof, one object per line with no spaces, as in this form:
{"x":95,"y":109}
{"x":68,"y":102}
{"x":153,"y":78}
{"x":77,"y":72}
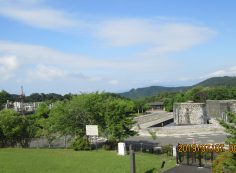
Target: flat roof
{"x":156,"y":103}
{"x":187,"y":103}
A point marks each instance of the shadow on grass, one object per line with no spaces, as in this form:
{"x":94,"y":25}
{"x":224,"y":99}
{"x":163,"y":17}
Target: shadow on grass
{"x":150,"y":170}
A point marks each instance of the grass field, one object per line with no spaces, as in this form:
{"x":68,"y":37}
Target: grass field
{"x":69,"y":161}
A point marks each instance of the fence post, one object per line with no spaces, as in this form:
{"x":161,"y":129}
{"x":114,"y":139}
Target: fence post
{"x":177,"y":155}
{"x":132,"y":161}
{"x":200,"y":158}
{"x":65,"y":142}
{"x":211,"y":157}
{"x":187,"y":157}
{"x":130,"y":147}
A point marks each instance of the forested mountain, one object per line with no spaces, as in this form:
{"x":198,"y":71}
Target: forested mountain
{"x":154,"y":90}
{"x":150,"y":91}
{"x":218,"y":81}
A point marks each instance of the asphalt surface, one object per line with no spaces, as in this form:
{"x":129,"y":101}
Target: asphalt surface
{"x":212,"y":138}
{"x":187,"y":169}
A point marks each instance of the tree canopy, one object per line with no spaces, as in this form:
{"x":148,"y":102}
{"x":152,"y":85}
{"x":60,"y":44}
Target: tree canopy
{"x":112,"y":114}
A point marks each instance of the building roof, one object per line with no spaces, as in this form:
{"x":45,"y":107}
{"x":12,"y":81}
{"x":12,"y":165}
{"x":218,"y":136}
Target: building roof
{"x":156,"y":104}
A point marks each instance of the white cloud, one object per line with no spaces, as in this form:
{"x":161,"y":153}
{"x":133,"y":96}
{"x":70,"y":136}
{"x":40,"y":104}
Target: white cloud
{"x":47,"y":73}
{"x":113,"y":82}
{"x":160,"y":37}
{"x":220,"y":73}
{"x":125,"y":32}
{"x":34,"y":13}
{"x":51,"y":64}
{"x":35,"y":54}
{"x":233,"y":68}
{"x":8,"y":65}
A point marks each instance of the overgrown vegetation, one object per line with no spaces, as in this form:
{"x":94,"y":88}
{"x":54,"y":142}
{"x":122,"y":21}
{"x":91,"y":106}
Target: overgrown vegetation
{"x":226,"y":161}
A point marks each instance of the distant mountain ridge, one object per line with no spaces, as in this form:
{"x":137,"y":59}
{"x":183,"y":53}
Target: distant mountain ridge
{"x":150,"y":91}
{"x":218,"y":81}
{"x":154,"y":90}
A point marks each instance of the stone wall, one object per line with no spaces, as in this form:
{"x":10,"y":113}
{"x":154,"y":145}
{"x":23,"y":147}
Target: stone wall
{"x":213,"y":108}
{"x":233,"y":106}
{"x":190,"y":113}
{"x":219,"y":108}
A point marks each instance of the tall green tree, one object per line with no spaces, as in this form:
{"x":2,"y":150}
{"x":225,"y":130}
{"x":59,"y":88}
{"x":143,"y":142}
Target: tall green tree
{"x":118,"y":119}
{"x":72,"y":116}
{"x":15,"y":128}
{"x":45,"y":124}
{"x":140,"y":106}
{"x":4,"y":96}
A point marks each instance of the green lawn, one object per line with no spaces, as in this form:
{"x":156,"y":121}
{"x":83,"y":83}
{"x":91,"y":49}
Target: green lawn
{"x":69,"y":161}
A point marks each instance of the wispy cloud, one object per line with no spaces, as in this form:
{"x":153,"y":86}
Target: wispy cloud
{"x":36,"y":54}
{"x":36,"y":14}
{"x":47,"y":73}
{"x":155,"y":37}
{"x":42,"y":63}
{"x":159,"y":37}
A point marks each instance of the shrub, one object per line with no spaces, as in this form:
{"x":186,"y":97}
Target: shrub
{"x":110,"y":145}
{"x":80,"y":143}
{"x":168,"y":149}
{"x":224,"y":162}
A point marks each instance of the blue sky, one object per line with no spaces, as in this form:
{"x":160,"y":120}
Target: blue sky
{"x":84,"y":46}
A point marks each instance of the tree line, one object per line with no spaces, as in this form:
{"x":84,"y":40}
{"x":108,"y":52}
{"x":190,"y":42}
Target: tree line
{"x":34,"y":97}
{"x":112,"y":114}
{"x":196,"y":94}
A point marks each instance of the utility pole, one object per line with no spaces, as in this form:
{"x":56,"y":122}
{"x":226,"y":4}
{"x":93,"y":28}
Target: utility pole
{"x":22,"y":96}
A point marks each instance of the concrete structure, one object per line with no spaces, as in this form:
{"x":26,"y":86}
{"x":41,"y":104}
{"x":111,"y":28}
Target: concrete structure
{"x":158,"y":118}
{"x":22,"y":107}
{"x":190,"y":113}
{"x":156,"y":106}
{"x":219,"y":108}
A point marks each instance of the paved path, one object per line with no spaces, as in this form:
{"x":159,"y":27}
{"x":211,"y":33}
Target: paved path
{"x":184,"y":139}
{"x":188,"y":169}
{"x":154,"y":118}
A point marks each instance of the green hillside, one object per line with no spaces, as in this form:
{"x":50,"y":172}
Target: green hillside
{"x":154,"y":90}
{"x":150,"y":91}
{"x":218,"y":81}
